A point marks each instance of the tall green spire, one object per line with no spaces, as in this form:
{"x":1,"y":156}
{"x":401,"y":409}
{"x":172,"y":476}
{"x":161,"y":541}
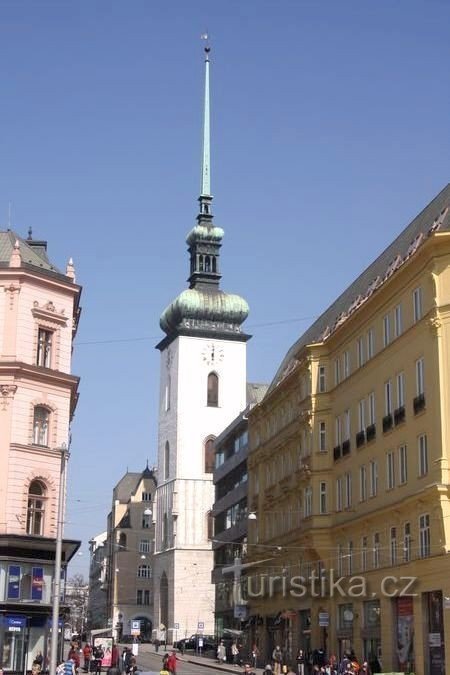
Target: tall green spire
{"x":205,"y":188}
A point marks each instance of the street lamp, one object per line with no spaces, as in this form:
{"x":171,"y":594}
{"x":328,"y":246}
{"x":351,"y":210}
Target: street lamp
{"x":252,"y":516}
{"x":147,"y":512}
{"x":57,"y":580}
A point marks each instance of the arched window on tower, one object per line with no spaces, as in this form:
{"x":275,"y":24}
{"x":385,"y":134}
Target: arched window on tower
{"x":209,"y":455}
{"x":166,"y":460}
{"x":165,"y":532}
{"x":200,"y":263}
{"x":167,"y":393}
{"x":207,"y":264}
{"x":36,"y":507}
{"x":41,"y":419}
{"x":214,"y":264}
{"x":213,"y":390}
{"x":209,"y":525}
{"x":122,"y":541}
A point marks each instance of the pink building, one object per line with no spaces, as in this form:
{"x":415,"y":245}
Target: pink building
{"x":39,"y":312}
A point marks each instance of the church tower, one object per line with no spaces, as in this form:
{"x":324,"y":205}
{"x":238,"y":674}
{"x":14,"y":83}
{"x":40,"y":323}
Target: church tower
{"x":202,"y":389}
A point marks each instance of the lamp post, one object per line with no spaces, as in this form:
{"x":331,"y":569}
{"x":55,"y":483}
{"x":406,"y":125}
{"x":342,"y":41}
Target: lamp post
{"x":57,"y":579}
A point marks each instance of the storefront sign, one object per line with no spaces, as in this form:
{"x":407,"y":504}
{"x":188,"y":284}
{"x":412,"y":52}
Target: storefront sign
{"x":135,"y":628}
{"x":324,"y":619}
{"x":240,"y":612}
{"x":13,"y":582}
{"x":434,"y":639}
{"x":14,"y":624}
{"x":37,"y":583}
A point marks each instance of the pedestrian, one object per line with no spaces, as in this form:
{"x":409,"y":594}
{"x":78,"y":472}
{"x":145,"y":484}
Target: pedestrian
{"x":165,"y":661}
{"x":221,"y":653}
{"x":69,"y":667}
{"x":277,"y":658}
{"x":255,"y":654}
{"x":301,"y":662}
{"x":248,"y":669}
{"x":268,"y":670}
{"x":235,"y":654}
{"x":126,"y":658}
{"x":39,"y":659}
{"x":132,"y":667}
{"x":98,"y":655}
{"x":74,"y":654}
{"x":172,"y":663}
{"x":365,"y":669}
{"x":87,"y":656}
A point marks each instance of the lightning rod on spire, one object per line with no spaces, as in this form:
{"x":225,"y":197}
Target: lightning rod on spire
{"x":205,"y":187}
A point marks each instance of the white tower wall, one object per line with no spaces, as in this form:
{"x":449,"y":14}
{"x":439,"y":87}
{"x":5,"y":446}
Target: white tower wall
{"x":186,"y":493}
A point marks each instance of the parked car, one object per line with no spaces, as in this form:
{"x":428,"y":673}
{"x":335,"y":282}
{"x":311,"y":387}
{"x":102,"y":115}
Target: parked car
{"x":127,"y":639}
{"x":209,"y":643}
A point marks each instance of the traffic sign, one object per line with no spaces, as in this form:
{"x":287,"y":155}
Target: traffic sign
{"x":201,"y":625}
{"x":176,"y":626}
{"x":135,"y":628}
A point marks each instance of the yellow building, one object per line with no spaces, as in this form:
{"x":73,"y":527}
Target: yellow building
{"x":349,"y":468}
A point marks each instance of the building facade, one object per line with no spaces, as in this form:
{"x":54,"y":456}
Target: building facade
{"x":130,"y":547}
{"x":349,"y":467}
{"x":202,"y":388}
{"x":39,"y":312}
{"x":97,"y":615}
{"x":230,"y":513}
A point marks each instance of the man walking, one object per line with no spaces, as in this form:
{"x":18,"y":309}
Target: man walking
{"x":277,"y":658}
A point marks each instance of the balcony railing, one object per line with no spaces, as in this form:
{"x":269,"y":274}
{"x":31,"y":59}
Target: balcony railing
{"x":399,"y":415}
{"x":360,"y":438}
{"x":371,"y":432}
{"x":337,"y":452}
{"x":387,"y":422}
{"x":419,"y":403}
{"x":346,"y":448}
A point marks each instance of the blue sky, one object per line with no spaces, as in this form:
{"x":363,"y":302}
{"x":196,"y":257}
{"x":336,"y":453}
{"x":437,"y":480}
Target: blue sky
{"x":330,"y":125}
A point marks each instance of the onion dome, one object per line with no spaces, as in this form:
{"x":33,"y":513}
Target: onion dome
{"x":203,"y":308}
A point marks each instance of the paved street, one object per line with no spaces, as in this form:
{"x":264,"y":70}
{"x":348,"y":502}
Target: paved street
{"x":149,"y":660}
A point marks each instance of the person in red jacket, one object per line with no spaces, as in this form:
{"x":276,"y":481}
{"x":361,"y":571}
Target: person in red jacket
{"x":74,"y":655}
{"x":172,"y":663}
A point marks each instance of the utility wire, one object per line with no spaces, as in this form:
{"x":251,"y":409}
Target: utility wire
{"x":265,"y":324}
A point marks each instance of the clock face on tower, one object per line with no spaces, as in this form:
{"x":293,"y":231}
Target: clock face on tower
{"x":212,"y":355}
